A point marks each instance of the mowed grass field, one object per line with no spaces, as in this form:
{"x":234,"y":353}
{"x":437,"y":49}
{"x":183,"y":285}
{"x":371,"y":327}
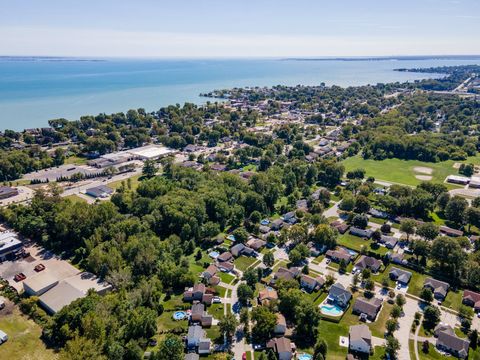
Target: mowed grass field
{"x":23,"y":339}
{"x":403,"y":171}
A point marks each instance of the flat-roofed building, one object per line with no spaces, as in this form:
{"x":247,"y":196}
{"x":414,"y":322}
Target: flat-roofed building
{"x":9,"y":244}
{"x":39,"y":283}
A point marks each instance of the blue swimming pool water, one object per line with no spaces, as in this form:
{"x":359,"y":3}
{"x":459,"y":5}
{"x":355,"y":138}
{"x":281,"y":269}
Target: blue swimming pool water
{"x":305,"y":357}
{"x":179,"y":315}
{"x":332,"y":310}
{"x":214,"y":254}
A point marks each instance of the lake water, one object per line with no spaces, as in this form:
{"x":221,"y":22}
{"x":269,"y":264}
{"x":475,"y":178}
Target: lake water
{"x":36,"y":90}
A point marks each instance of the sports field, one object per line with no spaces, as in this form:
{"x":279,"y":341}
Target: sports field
{"x":407,"y":172}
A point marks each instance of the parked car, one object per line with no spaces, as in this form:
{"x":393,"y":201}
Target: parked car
{"x":19,"y":277}
{"x":216,"y":300}
{"x":39,"y":267}
{"x":3,"y":337}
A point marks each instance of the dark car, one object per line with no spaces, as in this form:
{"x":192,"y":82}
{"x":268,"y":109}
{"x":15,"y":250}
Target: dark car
{"x":39,"y":267}
{"x":19,"y":277}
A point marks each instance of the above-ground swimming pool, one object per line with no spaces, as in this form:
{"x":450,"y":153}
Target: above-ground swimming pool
{"x":332,"y":310}
{"x":305,"y":357}
{"x":179,"y":315}
{"x":214,"y":254}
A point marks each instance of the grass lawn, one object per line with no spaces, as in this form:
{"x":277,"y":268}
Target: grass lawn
{"x":75,"y":160}
{"x":134,"y":180}
{"x":216,"y":310}
{"x":453,"y":299}
{"x":213,"y":333}
{"x":355,"y":243}
{"x":225,"y":277}
{"x":166,"y":322}
{"x":175,"y":302}
{"x":431,"y":355}
{"x":377,"y":220}
{"x":250,"y":167}
{"x":75,"y":198}
{"x":221,"y":291}
{"x":243,"y":262}
{"x":23,"y":338}
{"x":331,"y":333}
{"x":402,"y":171}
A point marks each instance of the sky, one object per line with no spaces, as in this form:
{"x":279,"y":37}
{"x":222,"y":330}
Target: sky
{"x":246,"y":28}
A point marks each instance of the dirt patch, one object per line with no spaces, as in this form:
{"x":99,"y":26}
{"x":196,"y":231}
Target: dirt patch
{"x":423,"y":170}
{"x":423,"y":177}
{"x":456,"y":165}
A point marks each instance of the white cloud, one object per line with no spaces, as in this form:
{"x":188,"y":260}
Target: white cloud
{"x":104,"y":43}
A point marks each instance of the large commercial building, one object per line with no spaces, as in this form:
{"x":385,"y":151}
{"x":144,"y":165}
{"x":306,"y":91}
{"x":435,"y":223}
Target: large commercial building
{"x":9,"y":244}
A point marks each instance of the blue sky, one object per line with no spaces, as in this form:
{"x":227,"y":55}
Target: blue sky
{"x":247,"y":28}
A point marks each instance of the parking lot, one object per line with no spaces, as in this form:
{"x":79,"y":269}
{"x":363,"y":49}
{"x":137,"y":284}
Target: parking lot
{"x":59,"y":268}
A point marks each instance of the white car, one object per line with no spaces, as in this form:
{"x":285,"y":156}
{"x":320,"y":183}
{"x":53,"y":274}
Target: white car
{"x":3,"y":337}
{"x":216,"y":300}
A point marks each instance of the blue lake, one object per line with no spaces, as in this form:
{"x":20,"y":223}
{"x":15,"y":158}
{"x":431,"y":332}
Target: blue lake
{"x":35,"y":90}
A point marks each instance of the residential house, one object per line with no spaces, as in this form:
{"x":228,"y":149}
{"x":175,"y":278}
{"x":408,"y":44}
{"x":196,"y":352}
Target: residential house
{"x":276,"y":224}
{"x":194,"y":294}
{"x":195,"y":334}
{"x":389,"y":241}
{"x":341,"y":226}
{"x":281,"y":325}
{"x":339,"y":295}
{"x":450,"y":232}
{"x":286,"y":274}
{"x":378,"y":213}
{"x":199,"y":315}
{"x":226,"y":267}
{"x":368,"y":262}
{"x":401,"y":276}
{"x":439,"y":288}
{"x":289,"y":217}
{"x":282,"y":347}
{"x":364,"y":233}
{"x":237,"y":249}
{"x":204,"y":346}
{"x":224,"y":257}
{"x":266,"y":295}
{"x":264,"y":229}
{"x":360,"y":339}
{"x":367,"y":308}
{"x":256,"y":244}
{"x":302,"y":204}
{"x":472,"y":299}
{"x":310,"y":283}
{"x":452,"y":344}
{"x":396,"y":258}
{"x":214,"y":280}
{"x":198,"y":293}
{"x":339,"y":254}
{"x":210,"y":271}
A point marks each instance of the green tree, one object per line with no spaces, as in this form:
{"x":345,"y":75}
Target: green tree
{"x":431,"y":317}
{"x":228,"y":325}
{"x":429,"y":231}
{"x":149,"y":168}
{"x":426,"y":295}
{"x":324,"y":235}
{"x":170,"y":348}
{"x":392,"y":347}
{"x":245,"y":294}
{"x":408,"y":227}
{"x":80,"y":348}
{"x":268,"y":259}
{"x":455,"y":210}
{"x":264,"y":323}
